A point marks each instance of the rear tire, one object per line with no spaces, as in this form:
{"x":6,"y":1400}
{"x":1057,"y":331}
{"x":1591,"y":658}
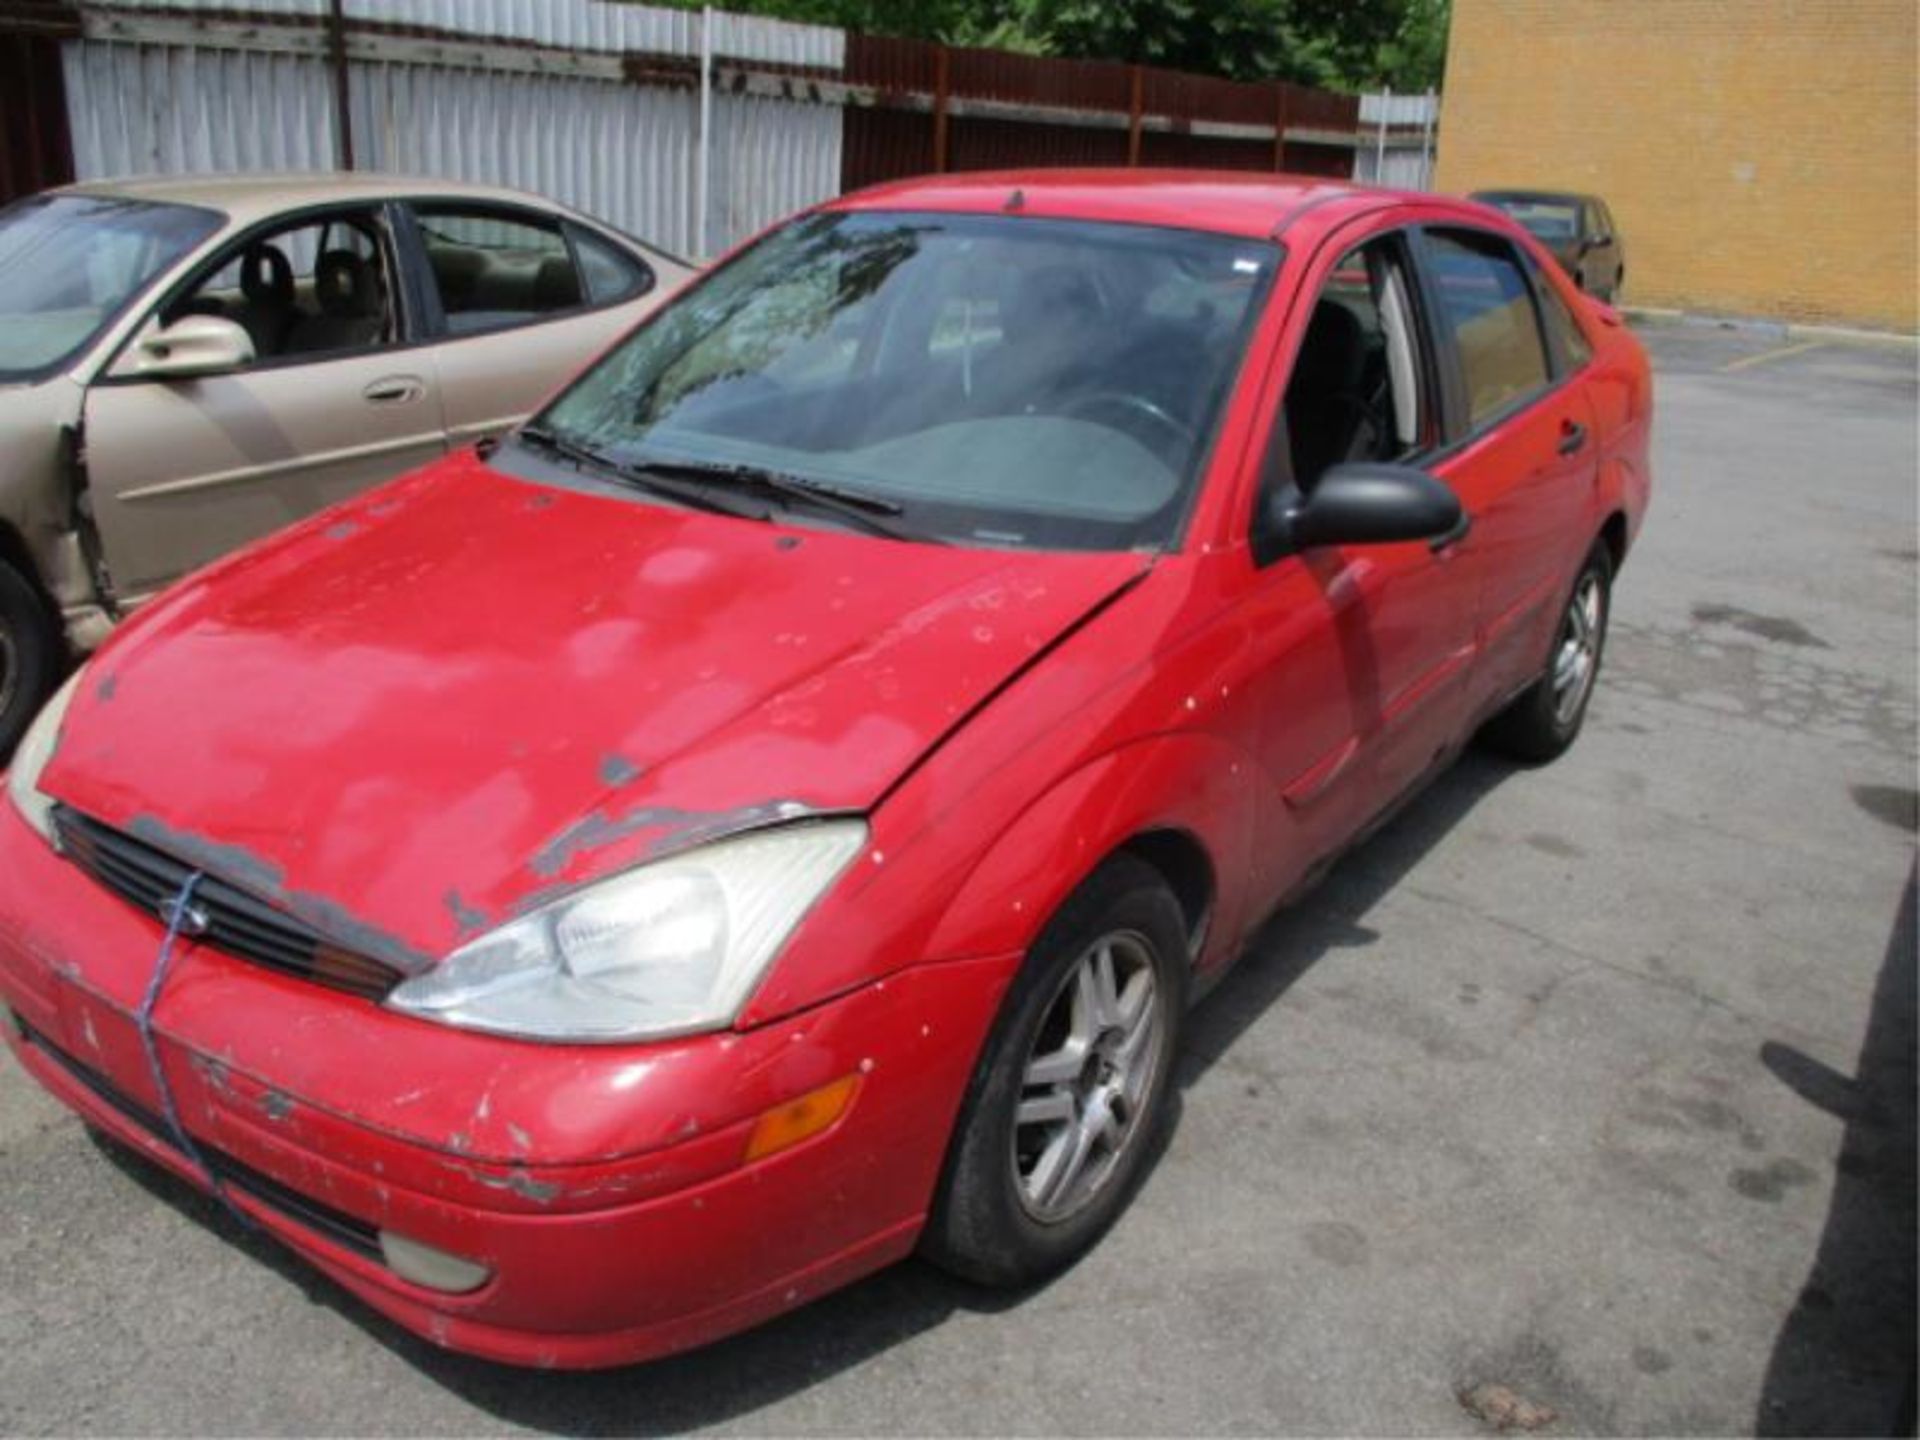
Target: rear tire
{"x":1071,"y":1089}
{"x":1546,"y":718}
{"x":29,"y":657}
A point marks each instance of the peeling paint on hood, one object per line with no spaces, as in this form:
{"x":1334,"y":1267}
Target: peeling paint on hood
{"x":424,"y":707}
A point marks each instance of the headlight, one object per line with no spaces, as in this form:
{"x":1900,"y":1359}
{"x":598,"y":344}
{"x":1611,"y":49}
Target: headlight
{"x":30,"y":760}
{"x":668,"y":949}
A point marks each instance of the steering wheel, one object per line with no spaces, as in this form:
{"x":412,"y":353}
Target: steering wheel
{"x":1137,"y":407}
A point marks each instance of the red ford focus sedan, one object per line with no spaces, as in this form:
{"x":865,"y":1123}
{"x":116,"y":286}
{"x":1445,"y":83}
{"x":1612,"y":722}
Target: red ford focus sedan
{"x":771,"y":812}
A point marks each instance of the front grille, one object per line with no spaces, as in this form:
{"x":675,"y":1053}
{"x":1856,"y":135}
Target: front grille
{"x":236,"y":922}
{"x":335,"y":1225}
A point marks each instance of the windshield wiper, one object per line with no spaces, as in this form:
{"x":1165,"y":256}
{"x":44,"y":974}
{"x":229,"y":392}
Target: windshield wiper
{"x":857,"y":507}
{"x":645,"y":477}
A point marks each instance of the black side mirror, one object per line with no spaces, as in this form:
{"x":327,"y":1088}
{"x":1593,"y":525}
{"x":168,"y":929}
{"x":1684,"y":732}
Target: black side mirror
{"x":1368,"y":504}
{"x":1598,"y":239}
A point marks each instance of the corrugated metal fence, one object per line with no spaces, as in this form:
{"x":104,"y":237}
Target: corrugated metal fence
{"x":597,"y":105}
{"x":1397,"y":140}
{"x":691,"y":128}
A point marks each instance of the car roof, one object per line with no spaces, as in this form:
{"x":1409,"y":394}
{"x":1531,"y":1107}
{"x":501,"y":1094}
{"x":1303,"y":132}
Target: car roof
{"x":1227,"y":201}
{"x":248,"y":197}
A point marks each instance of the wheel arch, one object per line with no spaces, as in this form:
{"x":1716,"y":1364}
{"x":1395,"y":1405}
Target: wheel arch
{"x":1182,"y":860}
{"x":17,"y":556}
{"x":1615,"y":536}
{"x":1180,"y":803}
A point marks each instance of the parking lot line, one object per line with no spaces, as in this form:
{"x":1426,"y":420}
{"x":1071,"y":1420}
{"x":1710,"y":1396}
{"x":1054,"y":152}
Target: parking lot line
{"x":1747,"y":362}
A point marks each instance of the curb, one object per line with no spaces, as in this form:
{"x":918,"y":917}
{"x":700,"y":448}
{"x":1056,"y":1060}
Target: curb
{"x":1774,"y":329}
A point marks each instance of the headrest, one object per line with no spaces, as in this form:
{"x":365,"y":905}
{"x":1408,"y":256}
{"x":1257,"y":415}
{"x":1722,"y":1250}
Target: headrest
{"x":343,"y":283}
{"x":457,"y":269}
{"x":266,"y":276}
{"x":1050,"y":299}
{"x":1333,"y":356}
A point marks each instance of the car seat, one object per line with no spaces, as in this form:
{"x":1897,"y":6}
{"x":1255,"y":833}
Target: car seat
{"x":1050,"y":322}
{"x":347,"y":290}
{"x":267,"y":310}
{"x":1327,"y":412}
{"x":556,"y":286}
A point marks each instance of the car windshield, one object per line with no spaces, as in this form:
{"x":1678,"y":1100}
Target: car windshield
{"x":68,"y":263}
{"x":991,"y":380}
{"x":1550,"y":220}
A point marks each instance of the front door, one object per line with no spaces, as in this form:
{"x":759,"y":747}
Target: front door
{"x":182,"y":470}
{"x":1371,"y":644}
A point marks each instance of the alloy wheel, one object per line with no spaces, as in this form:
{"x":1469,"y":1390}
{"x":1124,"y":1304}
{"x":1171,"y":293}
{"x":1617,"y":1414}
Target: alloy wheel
{"x":1577,"y":658}
{"x":1085,"y":1087}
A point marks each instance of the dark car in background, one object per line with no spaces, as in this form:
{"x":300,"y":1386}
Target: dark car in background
{"x":1578,"y":229}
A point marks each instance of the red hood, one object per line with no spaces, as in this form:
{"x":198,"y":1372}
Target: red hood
{"x":419,"y":715}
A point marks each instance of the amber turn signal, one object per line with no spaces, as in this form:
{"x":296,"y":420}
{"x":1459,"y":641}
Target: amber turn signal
{"x":787,"y":1125}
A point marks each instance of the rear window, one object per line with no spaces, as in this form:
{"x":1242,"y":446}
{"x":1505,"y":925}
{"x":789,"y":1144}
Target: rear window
{"x":492,"y":270}
{"x":609,"y":272}
{"x":1486,"y":303}
{"x":1550,"y":220}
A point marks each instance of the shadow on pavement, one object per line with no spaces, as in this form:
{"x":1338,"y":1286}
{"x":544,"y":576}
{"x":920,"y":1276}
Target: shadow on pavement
{"x":1331,"y":917}
{"x":1844,"y":1360}
{"x":840,"y":1331}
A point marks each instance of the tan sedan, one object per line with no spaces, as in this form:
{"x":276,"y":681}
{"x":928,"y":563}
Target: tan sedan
{"x":189,"y":363}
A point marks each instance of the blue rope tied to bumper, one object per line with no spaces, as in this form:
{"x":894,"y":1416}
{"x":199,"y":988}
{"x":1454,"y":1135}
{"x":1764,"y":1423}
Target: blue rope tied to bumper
{"x":176,"y":917}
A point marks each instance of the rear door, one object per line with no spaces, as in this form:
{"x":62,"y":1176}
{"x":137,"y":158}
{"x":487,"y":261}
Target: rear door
{"x":1522,"y":456}
{"x":520,"y":300}
{"x":337,"y":399}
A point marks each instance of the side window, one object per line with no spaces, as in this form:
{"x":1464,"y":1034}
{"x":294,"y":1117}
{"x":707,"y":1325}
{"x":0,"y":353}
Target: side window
{"x":1357,"y":391}
{"x":1486,"y":304}
{"x":608,"y":272}
{"x":321,"y":287}
{"x":1563,"y":331}
{"x":492,"y":270}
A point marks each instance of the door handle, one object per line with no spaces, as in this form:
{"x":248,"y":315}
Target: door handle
{"x":1572,"y":436}
{"x":393,"y":390}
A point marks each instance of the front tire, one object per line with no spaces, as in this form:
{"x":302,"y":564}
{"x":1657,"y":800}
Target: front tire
{"x":29,"y":657}
{"x":1072,"y":1087}
{"x":1546,"y":718}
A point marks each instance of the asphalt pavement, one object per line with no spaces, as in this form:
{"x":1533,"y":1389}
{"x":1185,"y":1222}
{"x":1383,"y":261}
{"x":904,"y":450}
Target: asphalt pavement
{"x":1593,"y":1082}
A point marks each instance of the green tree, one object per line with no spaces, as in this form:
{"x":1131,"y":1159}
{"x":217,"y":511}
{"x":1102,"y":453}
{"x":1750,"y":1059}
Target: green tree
{"x":1340,"y":44}
{"x":1415,"y":57}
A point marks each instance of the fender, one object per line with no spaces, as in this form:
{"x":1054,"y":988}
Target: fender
{"x":1194,"y":784}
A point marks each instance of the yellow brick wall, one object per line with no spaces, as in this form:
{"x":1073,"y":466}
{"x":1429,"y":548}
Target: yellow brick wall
{"x":1758,"y":155}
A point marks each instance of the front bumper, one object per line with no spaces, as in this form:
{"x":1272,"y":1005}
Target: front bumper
{"x":605,"y":1188}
